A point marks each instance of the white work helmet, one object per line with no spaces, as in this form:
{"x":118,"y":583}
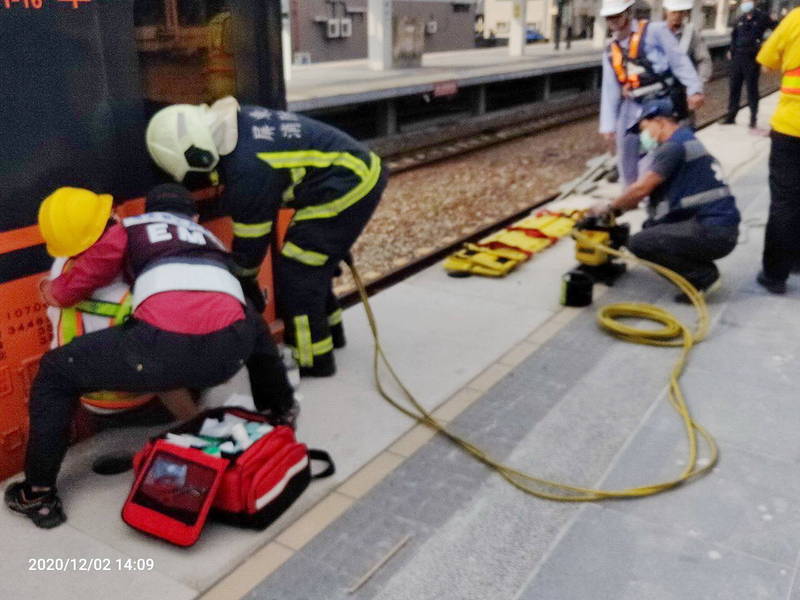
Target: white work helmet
{"x":676,"y":5}
{"x":609,"y":8}
{"x":179,"y":139}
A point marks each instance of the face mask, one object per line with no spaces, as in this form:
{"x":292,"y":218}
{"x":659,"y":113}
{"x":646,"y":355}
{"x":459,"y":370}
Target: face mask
{"x":746,"y":7}
{"x":647,"y":141}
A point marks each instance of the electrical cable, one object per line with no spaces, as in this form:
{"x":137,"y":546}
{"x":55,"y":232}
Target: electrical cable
{"x":672,"y":333}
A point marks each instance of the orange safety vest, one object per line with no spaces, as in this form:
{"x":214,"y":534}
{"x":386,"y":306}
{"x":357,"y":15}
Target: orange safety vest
{"x":619,"y":61}
{"x":790,"y":83}
{"x":70,"y":325}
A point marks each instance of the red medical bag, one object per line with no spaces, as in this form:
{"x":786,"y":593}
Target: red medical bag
{"x":177,"y":488}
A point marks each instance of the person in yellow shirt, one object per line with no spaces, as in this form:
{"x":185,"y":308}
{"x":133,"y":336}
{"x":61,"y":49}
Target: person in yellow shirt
{"x":781,"y":52}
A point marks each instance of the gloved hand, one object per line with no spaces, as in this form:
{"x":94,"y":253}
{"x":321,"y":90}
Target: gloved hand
{"x":253,"y":292}
{"x":599,"y":208}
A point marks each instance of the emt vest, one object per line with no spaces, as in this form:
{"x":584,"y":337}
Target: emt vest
{"x":167,"y":253}
{"x":695,"y":190}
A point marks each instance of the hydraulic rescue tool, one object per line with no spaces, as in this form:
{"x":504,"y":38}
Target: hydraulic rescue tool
{"x":598,"y":233}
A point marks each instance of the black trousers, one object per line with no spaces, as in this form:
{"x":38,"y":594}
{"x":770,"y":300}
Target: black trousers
{"x":138,"y":357}
{"x":686,"y":247}
{"x":743,"y":70}
{"x":305,"y":299}
{"x":782,"y":236}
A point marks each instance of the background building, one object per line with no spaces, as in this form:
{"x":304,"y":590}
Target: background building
{"x":324,"y":30}
{"x":541,"y":17}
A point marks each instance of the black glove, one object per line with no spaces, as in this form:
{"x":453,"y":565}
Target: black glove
{"x":253,"y":292}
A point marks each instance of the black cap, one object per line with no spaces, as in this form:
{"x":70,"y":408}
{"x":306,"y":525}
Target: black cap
{"x":171,"y":198}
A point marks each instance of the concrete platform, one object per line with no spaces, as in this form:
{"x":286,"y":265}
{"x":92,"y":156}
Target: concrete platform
{"x":537,"y":385}
{"x":332,"y":84}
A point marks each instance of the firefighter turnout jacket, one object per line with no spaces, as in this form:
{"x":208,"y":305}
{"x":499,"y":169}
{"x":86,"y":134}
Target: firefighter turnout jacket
{"x":283,"y":159}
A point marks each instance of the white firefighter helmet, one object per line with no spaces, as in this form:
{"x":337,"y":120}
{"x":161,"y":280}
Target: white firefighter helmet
{"x":609,"y":8}
{"x":179,"y":139}
{"x":676,"y":5}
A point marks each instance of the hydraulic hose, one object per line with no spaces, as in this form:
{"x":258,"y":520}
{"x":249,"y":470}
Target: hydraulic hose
{"x":672,"y":333}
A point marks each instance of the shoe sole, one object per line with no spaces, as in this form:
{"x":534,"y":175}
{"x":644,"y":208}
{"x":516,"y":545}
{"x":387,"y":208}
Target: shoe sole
{"x":770,"y":287}
{"x":41,"y":524}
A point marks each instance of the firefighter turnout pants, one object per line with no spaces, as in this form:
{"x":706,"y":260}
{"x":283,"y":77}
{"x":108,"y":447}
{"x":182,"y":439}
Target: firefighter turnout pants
{"x":304,"y":271}
{"x":137,"y":357}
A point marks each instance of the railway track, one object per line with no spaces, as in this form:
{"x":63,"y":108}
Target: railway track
{"x":436,"y":152}
{"x":425,"y":156}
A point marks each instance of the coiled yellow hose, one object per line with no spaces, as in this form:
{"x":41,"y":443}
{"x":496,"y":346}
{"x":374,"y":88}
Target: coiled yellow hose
{"x":672,"y":333}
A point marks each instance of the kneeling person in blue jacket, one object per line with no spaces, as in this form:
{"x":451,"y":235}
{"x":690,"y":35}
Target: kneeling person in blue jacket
{"x":692,"y":215}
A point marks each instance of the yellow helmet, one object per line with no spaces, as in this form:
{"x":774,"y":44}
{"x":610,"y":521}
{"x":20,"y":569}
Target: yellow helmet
{"x":72,"y":219}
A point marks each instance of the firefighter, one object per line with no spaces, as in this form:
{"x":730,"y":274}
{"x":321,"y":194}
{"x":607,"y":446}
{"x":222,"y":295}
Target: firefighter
{"x":191,"y":327}
{"x":746,"y":37}
{"x":692,"y":215}
{"x":781,"y":52}
{"x":269,"y":159}
{"x":642,"y":61}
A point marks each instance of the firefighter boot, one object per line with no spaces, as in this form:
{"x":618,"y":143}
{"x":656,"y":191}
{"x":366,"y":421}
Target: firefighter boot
{"x":337,"y":333}
{"x":324,"y":366}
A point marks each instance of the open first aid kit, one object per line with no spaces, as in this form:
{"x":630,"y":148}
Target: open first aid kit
{"x":227,"y":463}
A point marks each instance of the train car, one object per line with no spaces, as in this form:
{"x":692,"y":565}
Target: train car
{"x":80,"y":78}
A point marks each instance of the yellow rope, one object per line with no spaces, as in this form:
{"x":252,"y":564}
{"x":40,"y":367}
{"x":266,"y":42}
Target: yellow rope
{"x":673,"y":333}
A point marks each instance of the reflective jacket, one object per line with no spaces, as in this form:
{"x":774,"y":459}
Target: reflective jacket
{"x":288,"y":160}
{"x":695,"y":189}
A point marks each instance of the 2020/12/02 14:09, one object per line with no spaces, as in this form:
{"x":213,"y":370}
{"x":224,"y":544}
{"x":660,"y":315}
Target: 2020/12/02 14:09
{"x":91,"y":564}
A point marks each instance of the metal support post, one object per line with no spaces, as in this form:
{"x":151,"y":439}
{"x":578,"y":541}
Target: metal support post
{"x":723,"y":12}
{"x":599,"y":32}
{"x":387,"y":118}
{"x":479,"y":101}
{"x":698,"y":16}
{"x":379,"y":30}
{"x":286,"y":39}
{"x":657,"y":10}
{"x":516,"y":38}
{"x":547,"y":19}
{"x":559,"y":22}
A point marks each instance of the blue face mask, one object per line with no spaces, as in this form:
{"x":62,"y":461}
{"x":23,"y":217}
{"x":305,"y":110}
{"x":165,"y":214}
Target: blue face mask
{"x":746,"y":7}
{"x":647,"y":141}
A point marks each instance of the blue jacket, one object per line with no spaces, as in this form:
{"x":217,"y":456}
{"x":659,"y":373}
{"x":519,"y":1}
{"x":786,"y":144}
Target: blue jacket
{"x":693,"y":186}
